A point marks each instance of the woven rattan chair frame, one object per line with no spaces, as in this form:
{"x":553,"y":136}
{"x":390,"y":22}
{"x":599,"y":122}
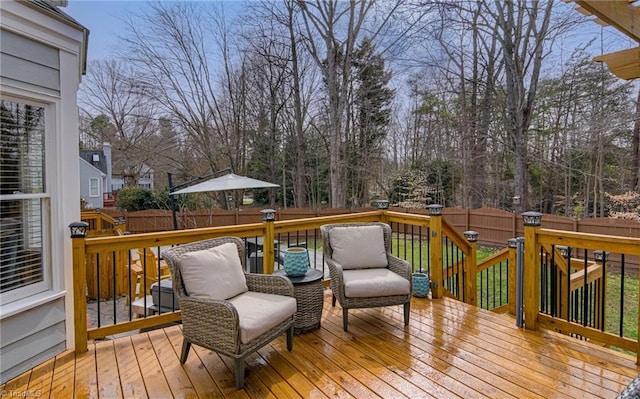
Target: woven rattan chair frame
{"x":214,"y":324}
{"x":395,"y":264}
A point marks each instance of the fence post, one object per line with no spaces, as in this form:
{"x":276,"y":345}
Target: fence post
{"x":78,"y":235}
{"x":471,"y":282}
{"x":268,"y":217}
{"x":532,"y":221}
{"x":512,"y":243}
{"x":435,"y":249}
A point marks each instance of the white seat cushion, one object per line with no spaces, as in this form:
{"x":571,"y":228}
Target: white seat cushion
{"x":259,"y":312}
{"x":364,"y":283}
{"x":214,"y":273}
{"x":357,"y":247}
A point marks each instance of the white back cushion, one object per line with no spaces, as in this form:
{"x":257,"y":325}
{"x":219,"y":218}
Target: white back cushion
{"x":358,"y":247}
{"x":214,"y":273}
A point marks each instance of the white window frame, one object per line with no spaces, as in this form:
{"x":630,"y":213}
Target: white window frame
{"x":45,"y":205}
{"x":97,"y":182}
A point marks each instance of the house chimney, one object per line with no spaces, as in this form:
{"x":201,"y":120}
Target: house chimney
{"x":106,"y":149}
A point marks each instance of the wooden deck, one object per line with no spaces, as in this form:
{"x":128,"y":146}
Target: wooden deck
{"x":450,"y":350}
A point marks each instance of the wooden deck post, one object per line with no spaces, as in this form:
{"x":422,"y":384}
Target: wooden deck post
{"x":268,"y":217}
{"x":382,"y":206}
{"x":98,"y":221}
{"x":78,"y":235}
{"x":531,"y":269}
{"x":471,"y":283}
{"x":435,"y":249}
{"x":511,"y":294}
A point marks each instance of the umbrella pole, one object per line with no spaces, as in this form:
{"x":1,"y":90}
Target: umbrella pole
{"x":173,"y":202}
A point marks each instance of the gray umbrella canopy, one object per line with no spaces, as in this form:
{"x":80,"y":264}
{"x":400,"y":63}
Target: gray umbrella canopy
{"x":224,"y":183}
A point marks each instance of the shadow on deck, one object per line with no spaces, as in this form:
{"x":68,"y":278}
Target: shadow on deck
{"x":449,"y":350}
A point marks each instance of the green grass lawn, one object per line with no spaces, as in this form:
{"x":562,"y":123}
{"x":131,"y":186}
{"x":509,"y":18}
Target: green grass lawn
{"x":629,"y":308}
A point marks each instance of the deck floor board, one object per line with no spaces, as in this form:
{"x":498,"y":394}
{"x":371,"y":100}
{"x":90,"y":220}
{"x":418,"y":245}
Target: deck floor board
{"x":449,"y":350}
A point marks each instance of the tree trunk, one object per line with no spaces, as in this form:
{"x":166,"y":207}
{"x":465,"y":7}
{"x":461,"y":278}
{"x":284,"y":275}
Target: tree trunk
{"x":299,"y":186}
{"x":523,"y":35}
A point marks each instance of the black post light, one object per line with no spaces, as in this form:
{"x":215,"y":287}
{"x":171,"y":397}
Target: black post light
{"x":435,"y":209}
{"x":78,"y":229}
{"x":532,"y":218}
{"x":268,"y":215}
{"x":381,"y":204}
{"x":472,"y":236}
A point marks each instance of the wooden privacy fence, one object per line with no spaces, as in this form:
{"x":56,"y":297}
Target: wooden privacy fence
{"x":495,"y":226}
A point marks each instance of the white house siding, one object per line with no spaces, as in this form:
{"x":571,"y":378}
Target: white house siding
{"x":36,"y":328}
{"x":29,"y":64}
{"x":30,"y":336}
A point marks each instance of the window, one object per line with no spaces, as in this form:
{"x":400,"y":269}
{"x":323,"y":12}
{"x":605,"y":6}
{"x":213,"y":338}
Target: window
{"x":94,"y":188}
{"x":24,"y":201}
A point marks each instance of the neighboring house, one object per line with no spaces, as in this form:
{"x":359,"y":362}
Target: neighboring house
{"x":130,"y":176}
{"x":101,"y":177}
{"x":95,"y":177}
{"x":92,"y":183}
{"x":43,"y":56}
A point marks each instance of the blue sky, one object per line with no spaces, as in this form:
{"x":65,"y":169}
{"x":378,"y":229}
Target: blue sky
{"x":104,"y":20}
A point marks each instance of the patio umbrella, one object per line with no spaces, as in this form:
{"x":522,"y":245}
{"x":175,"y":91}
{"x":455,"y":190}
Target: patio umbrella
{"x":227,"y":182}
{"x":224,"y":183}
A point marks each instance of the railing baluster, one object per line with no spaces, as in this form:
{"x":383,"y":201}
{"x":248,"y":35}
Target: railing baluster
{"x":130,"y":287}
{"x":585,"y":294}
{"x":159,"y":274}
{"x":493,"y":285}
{"x":113,"y":274}
{"x":420,"y":250}
{"x":404,"y":240}
{"x":413,"y":259}
{"x":144,"y":281}
{"x":569,"y":304}
{"x":603,"y":291}
{"x":621,"y":310}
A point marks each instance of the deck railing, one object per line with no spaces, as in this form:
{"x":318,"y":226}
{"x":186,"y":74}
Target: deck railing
{"x":496,"y":279}
{"x":109,"y":274}
{"x":575,"y":283}
{"x":106,"y":271}
{"x":102,"y":224}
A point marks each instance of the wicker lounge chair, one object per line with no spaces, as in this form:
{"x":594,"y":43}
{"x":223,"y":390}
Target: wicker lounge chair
{"x":236,"y":324}
{"x":363,"y":272}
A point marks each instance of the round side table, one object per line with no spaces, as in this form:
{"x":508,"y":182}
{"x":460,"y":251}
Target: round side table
{"x":309,"y":294}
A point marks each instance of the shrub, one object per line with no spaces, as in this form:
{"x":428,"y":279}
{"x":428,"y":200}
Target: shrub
{"x":137,"y":199}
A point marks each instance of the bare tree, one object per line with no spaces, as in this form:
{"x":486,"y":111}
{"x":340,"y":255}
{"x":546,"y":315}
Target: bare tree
{"x":182,"y":50}
{"x":469,"y":64}
{"x":332,"y":29}
{"x":524,"y":30}
{"x":114,"y":110}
